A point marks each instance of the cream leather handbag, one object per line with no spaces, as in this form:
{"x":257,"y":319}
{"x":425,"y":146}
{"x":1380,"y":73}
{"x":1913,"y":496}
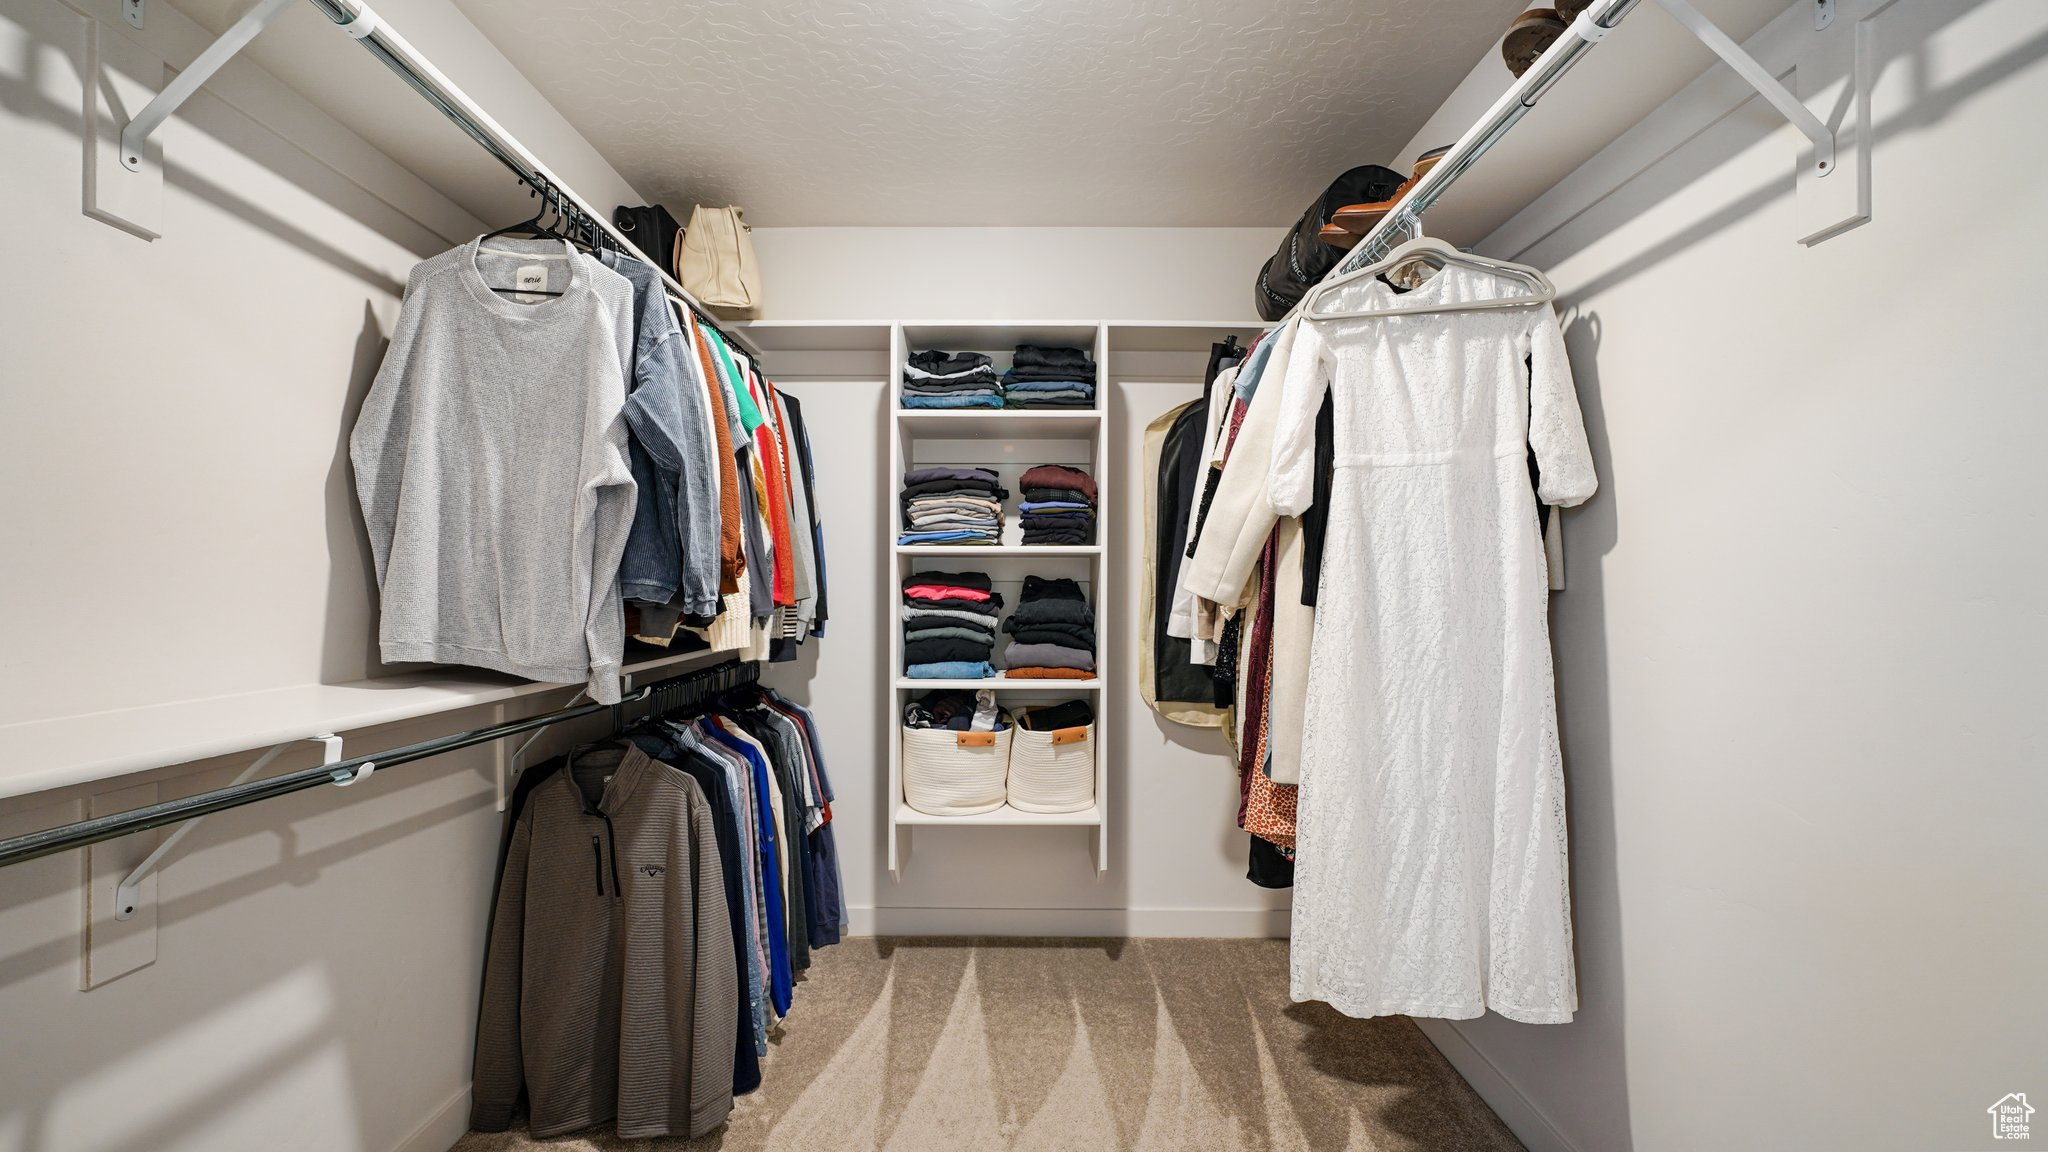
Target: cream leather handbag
{"x":715,"y":261}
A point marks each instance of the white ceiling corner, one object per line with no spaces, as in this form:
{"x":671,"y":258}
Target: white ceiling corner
{"x":994,"y":112}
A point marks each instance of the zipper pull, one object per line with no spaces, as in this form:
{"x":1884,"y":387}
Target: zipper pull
{"x":597,"y":859}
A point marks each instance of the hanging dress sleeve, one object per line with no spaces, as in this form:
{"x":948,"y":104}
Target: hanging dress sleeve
{"x":1292,"y":486}
{"x":1557,"y":429}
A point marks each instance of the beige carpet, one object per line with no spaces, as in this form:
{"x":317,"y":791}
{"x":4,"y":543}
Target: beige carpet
{"x":1008,"y":1045}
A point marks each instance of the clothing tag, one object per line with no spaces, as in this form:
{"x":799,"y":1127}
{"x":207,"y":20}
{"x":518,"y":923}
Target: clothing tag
{"x":607,"y":782}
{"x":530,"y":283}
{"x":974,"y":739}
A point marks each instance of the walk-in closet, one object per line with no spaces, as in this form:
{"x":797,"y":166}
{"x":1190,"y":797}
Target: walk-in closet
{"x":1228,"y":575}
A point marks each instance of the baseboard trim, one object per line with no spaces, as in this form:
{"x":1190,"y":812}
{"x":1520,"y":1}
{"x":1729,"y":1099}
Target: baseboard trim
{"x":448,"y":1124}
{"x":1522,"y":1117}
{"x":1216,"y":922}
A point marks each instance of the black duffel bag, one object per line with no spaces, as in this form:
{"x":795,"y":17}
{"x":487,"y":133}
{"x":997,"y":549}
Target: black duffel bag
{"x":1303,"y":258}
{"x":652,"y":229}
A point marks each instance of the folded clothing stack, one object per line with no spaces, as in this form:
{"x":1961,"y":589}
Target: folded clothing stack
{"x":949,"y":625}
{"x":952,"y":506}
{"x":1052,"y":717}
{"x":1052,"y":633}
{"x":946,"y":380}
{"x":1058,"y":505}
{"x":1049,"y":378}
{"x":959,"y":710}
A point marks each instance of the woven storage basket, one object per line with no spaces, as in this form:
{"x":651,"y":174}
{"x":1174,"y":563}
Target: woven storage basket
{"x":1053,"y":771}
{"x":948,"y":773}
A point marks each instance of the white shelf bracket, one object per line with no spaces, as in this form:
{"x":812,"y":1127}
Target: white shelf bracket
{"x":135,"y":136}
{"x":513,"y":765}
{"x":1822,"y":160}
{"x":126,"y":894}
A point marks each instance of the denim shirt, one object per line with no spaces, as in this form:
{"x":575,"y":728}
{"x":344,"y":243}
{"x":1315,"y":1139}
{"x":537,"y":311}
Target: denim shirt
{"x":672,"y":552}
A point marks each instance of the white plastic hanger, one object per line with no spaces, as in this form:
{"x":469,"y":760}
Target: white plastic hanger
{"x":1431,"y":250}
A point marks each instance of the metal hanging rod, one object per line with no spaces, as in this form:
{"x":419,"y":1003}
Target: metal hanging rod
{"x":16,"y":849}
{"x":1589,"y":28}
{"x":383,"y":42}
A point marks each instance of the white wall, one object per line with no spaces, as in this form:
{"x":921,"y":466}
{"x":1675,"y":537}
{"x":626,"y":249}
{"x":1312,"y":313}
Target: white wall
{"x":179,"y":521}
{"x":1800,"y":660}
{"x":1011,"y":273}
{"x":317,"y":964}
{"x":180,"y":407}
{"x":1176,"y":865}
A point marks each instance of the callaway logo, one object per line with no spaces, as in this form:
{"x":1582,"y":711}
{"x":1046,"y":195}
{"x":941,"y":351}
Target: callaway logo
{"x":652,"y":869}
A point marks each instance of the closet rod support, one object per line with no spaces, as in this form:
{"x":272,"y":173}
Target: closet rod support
{"x":135,"y":136}
{"x":1758,"y":77}
{"x":127,"y":895}
{"x":100,"y":829}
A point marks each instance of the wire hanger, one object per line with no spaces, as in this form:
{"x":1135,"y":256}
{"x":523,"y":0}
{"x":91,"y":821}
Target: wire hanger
{"x":546,"y":224}
{"x":1430,"y":250}
{"x":543,"y":225}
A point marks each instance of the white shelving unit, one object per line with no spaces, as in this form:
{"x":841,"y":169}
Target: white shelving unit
{"x":1009,"y":441}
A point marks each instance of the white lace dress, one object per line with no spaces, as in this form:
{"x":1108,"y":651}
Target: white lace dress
{"x":1430,"y":878}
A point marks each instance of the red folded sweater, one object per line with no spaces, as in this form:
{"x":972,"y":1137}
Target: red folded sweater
{"x":943,"y":592}
{"x":1058,"y":476}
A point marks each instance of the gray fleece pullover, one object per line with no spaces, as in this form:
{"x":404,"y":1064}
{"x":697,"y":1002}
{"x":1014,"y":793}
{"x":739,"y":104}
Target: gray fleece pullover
{"x":610,"y":992}
{"x":490,"y":461}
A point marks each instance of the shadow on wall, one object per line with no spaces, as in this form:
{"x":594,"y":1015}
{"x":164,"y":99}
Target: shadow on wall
{"x":292,"y":868}
{"x":349,"y":651}
{"x":808,"y":680}
{"x":1925,"y":108}
{"x":174,"y":1088}
{"x":162,"y":1054}
{"x":1123,"y":645}
{"x":40,"y":82}
{"x":1581,"y":1069}
{"x":22,"y":93}
{"x":1585,"y":724}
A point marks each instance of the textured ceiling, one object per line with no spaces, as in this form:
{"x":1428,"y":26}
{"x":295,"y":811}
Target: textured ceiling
{"x":994,"y":112}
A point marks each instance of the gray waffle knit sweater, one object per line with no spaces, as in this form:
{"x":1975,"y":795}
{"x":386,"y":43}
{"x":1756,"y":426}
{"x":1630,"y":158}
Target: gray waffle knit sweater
{"x":490,"y":461}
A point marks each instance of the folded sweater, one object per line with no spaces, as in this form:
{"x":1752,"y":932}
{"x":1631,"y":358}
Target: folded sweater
{"x":978,"y":581}
{"x":1058,"y":476}
{"x":1052,"y":611}
{"x":951,"y":670}
{"x":939,"y":651}
{"x":1046,"y":656}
